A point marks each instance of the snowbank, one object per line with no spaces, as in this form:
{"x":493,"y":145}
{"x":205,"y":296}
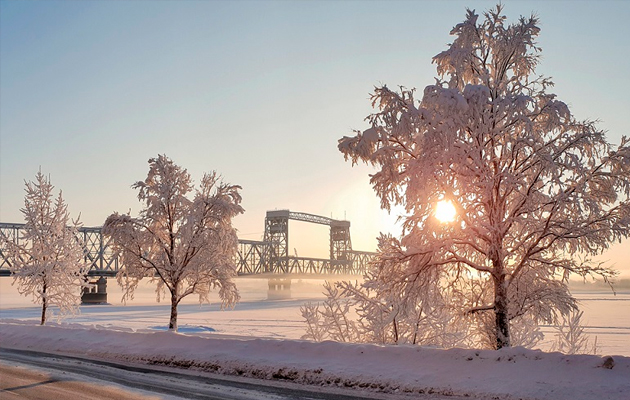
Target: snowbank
{"x":506,"y":374}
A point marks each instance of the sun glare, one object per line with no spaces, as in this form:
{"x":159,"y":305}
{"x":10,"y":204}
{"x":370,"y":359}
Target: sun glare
{"x":445,"y":211}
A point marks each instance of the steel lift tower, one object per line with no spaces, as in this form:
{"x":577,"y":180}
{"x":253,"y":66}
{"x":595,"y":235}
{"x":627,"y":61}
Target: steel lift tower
{"x":277,"y":233}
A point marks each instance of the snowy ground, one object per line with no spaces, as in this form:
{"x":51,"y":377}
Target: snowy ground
{"x":257,"y":339}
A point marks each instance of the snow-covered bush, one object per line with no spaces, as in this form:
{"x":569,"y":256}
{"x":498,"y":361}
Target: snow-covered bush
{"x":570,"y":336}
{"x":331,"y":320}
{"x":379,"y":310}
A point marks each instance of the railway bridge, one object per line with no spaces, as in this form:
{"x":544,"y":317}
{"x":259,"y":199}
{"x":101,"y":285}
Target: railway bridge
{"x":269,"y":257}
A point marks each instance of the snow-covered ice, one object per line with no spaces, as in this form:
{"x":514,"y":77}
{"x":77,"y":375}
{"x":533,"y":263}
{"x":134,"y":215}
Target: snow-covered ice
{"x":259,"y":338}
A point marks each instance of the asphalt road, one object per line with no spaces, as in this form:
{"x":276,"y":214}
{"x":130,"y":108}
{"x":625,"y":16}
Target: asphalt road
{"x":18,"y":382}
{"x":35,"y":375}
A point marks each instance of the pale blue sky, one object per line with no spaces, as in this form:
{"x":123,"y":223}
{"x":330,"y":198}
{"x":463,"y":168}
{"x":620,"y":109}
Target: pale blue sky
{"x":259,"y":91}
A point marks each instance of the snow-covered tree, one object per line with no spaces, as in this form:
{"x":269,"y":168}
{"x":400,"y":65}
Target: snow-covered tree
{"x":536,"y":191}
{"x":184,"y":245}
{"x":48,"y":261}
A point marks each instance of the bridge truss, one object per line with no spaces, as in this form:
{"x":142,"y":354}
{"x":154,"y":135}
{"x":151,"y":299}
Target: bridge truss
{"x":97,"y":252}
{"x":269,"y":256}
{"x":277,"y":233}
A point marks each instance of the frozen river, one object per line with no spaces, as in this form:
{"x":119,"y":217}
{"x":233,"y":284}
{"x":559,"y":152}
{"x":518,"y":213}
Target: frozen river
{"x":606,"y":316}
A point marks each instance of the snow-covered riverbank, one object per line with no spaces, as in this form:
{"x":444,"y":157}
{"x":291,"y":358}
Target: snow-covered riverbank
{"x":505,"y":374}
{"x":260,"y":338}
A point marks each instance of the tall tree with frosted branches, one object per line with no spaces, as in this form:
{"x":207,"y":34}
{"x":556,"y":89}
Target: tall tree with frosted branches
{"x":537,"y":192}
{"x":186,"y":246}
{"x":48,"y":263}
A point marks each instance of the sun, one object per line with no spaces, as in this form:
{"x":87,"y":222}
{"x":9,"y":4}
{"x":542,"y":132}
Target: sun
{"x":445,"y":211}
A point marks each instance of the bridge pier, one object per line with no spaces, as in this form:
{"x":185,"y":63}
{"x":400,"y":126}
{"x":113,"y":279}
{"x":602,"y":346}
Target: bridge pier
{"x":97,"y":294}
{"x":279,"y":288}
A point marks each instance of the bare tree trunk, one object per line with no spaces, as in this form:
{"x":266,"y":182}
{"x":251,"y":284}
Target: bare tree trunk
{"x":502,"y":323}
{"x":44,"y":304}
{"x":172,"y":325}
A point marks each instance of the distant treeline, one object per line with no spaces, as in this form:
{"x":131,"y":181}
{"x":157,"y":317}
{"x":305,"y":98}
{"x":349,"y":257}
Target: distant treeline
{"x":599,"y":284}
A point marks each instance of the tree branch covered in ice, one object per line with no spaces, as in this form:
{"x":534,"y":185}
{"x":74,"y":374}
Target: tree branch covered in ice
{"x":532,"y":185}
{"x":47,"y":262}
{"x":186,"y":246}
